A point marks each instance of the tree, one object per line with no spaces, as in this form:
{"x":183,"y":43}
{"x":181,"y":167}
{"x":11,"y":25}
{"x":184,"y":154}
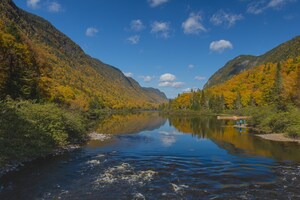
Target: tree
{"x":195,"y":101}
{"x":19,"y":74}
{"x":279,"y":101}
{"x":252,"y":101}
{"x":203,"y":101}
{"x":238,"y":103}
{"x":278,"y":81}
{"x":297,"y":92}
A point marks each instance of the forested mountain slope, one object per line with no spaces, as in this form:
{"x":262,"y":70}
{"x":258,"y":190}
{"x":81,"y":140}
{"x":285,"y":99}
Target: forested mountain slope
{"x":39,"y":62}
{"x":289,"y":49}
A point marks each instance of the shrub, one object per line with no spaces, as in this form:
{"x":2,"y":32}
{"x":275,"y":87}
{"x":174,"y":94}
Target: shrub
{"x":29,"y":129}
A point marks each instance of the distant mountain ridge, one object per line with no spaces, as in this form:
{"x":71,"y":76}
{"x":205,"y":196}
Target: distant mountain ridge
{"x":65,"y":73}
{"x":289,"y":49}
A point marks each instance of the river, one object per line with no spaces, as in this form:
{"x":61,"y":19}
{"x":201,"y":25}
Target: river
{"x":150,"y":156}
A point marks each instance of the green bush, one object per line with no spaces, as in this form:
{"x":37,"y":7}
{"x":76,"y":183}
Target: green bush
{"x":62,"y":125}
{"x":293,"y":130}
{"x":29,"y":129}
{"x":268,"y":119}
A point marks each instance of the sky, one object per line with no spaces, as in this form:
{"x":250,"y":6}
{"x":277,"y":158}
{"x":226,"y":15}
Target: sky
{"x":172,"y":45}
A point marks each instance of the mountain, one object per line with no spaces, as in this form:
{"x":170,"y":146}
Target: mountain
{"x":155,"y":94}
{"x":250,"y":81}
{"x":289,"y":49}
{"x":39,"y":62}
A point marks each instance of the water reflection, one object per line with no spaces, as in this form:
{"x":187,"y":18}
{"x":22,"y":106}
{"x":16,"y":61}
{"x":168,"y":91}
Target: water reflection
{"x":130,"y":123}
{"x":234,"y":140}
{"x":190,"y":157}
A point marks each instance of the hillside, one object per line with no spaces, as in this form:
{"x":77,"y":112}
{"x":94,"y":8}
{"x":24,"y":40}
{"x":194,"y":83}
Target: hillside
{"x":273,"y":78}
{"x":256,"y":85}
{"x":39,"y":62}
{"x":289,"y":49}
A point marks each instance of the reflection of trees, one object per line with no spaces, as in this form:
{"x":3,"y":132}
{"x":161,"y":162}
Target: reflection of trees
{"x":130,"y":123}
{"x":229,"y":138}
{"x":198,"y":126}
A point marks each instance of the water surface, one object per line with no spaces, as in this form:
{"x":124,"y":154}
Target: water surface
{"x":164,"y":157}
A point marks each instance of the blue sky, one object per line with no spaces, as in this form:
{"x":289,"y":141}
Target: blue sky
{"x":173,"y":45}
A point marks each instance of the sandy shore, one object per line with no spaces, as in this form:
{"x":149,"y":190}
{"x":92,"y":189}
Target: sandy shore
{"x":277,"y":137}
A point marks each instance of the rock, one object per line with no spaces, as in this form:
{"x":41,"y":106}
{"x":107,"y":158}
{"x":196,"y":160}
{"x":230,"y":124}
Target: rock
{"x":99,"y":136}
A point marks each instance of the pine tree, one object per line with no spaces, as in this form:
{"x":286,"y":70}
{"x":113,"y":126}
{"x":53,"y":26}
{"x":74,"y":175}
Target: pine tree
{"x":252,"y":101}
{"x":238,"y":103}
{"x":297,"y":92}
{"x":195,"y":101}
{"x":279,"y":101}
{"x":203,"y":102}
{"x":278,"y":81}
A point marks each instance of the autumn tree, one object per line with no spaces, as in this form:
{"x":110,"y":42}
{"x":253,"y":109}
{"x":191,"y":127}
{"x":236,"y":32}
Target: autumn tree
{"x":19,"y":75}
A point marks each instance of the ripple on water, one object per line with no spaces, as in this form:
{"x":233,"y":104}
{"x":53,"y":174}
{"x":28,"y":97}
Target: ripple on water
{"x":124,"y":173}
{"x":138,"y":196}
{"x":93,"y":163}
{"x":178,"y":188}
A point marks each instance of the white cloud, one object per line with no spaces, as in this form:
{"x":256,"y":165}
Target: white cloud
{"x":137,"y":25}
{"x":54,"y":7}
{"x":200,"y":78}
{"x":91,"y":31}
{"x":193,"y":24}
{"x":167,"y":77}
{"x":128,"y":74}
{"x":220,"y":46}
{"x":147,"y":78}
{"x":276,"y":3}
{"x":187,"y":90}
{"x":155,"y":3}
{"x":169,"y":80}
{"x":191,"y":66}
{"x":226,"y":19}
{"x":33,"y":4}
{"x":171,"y":84}
{"x":161,"y":29}
{"x":258,"y":7}
{"x":135,"y":39}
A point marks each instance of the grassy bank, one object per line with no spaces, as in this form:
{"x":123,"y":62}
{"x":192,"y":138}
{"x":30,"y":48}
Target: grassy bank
{"x":263,"y":119}
{"x":30,"y":130}
{"x":270,"y":119}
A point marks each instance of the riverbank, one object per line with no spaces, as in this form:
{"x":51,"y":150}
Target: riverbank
{"x":280,"y":137}
{"x":15,"y":165}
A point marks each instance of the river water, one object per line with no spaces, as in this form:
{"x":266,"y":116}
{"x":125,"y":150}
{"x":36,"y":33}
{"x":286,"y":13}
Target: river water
{"x":150,"y":156}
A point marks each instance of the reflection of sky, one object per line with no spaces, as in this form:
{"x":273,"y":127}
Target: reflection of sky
{"x":168,"y":138}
